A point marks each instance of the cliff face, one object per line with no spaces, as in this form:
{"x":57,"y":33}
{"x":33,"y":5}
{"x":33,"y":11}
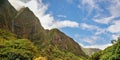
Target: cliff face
{"x":57,"y":39}
{"x":7,"y":13}
{"x":64,"y":42}
{"x":26,"y":25}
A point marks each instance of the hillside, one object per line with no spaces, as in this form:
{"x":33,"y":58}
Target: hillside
{"x":12,"y":48}
{"x":90,"y":51}
{"x":28,"y":33}
{"x":110,"y":53}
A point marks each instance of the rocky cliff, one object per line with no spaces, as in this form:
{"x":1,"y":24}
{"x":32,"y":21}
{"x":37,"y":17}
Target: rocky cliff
{"x":27,"y":25}
{"x":7,"y":14}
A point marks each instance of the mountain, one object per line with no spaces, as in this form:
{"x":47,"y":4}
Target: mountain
{"x":12,"y":48}
{"x":26,"y":25}
{"x":51,"y":44}
{"x":7,"y":13}
{"x":90,"y":51}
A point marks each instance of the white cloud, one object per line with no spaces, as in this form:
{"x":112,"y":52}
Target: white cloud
{"x":115,"y":28}
{"x":88,"y":6}
{"x":105,"y":20}
{"x":91,"y":40}
{"x":100,"y":31}
{"x":17,"y":4}
{"x":102,"y":47}
{"x":115,"y":8}
{"x":39,"y":9}
{"x":115,"y":36}
{"x":65,"y":23}
{"x":89,"y":27}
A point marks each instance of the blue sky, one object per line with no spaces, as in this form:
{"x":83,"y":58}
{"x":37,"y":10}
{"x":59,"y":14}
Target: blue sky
{"x":91,"y":23}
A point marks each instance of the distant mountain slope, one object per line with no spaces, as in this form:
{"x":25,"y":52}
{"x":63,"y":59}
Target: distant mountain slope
{"x":90,"y":51}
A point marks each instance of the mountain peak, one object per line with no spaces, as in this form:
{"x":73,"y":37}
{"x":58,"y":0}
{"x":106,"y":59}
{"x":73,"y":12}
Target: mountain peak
{"x":26,"y":24}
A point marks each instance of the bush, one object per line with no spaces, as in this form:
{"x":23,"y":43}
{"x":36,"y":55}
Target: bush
{"x":17,"y":49}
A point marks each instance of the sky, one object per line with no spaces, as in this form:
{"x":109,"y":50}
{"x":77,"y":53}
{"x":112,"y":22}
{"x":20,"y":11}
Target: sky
{"x":91,"y":23}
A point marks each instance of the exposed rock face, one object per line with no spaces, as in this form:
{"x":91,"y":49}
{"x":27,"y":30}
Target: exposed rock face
{"x":65,"y":43}
{"x":27,"y":25}
{"x":7,"y":13}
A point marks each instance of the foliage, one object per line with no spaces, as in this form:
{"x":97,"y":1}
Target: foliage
{"x":40,"y":58}
{"x":90,"y":51}
{"x":6,"y":35}
{"x":54,"y":53}
{"x":12,"y":48}
{"x":110,"y":53}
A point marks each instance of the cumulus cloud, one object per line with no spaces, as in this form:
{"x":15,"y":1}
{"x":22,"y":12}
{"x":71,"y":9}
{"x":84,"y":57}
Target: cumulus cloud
{"x":65,"y":23}
{"x":94,"y":28}
{"x":17,"y":4}
{"x":88,"y":26}
{"x":115,"y":27}
{"x":115,"y":8}
{"x":88,"y":6}
{"x":105,"y":20}
{"x":114,"y":12}
{"x":91,"y":40}
{"x":39,"y":9}
{"x":115,"y":36}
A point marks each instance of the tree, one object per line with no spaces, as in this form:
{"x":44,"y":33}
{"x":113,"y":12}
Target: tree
{"x":21,"y":49}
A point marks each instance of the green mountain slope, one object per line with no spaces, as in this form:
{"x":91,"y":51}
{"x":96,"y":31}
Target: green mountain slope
{"x":51,"y":44}
{"x":12,"y":48}
{"x":110,"y":53}
{"x":57,"y":41}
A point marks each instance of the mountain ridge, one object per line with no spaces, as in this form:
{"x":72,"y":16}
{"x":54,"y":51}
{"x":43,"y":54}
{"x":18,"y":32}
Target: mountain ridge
{"x":25,"y":25}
